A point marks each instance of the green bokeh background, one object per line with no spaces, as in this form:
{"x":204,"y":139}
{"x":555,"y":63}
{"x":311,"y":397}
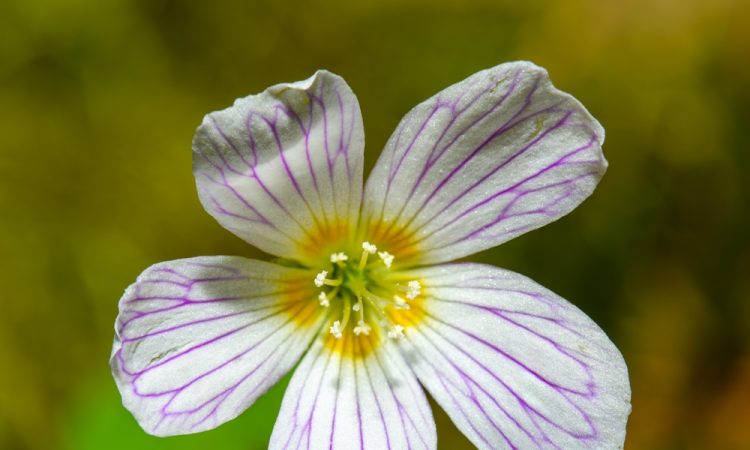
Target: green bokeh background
{"x":99,"y":101}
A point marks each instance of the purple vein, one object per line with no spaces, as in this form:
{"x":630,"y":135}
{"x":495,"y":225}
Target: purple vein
{"x":465,"y":378}
{"x":507,"y":125}
{"x":557,"y":321}
{"x":308,"y":157}
{"x":432,"y":159}
{"x":335,"y":405}
{"x":478,"y":182}
{"x":357,"y":400}
{"x":289,"y":173}
{"x":557,"y":388}
{"x":203,"y":344}
{"x":521,"y":402}
{"x":379,"y":406}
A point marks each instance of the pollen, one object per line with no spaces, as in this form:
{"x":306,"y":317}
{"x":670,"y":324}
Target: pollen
{"x":362,"y":328}
{"x":413,"y":290}
{"x":365,"y":297}
{"x":400,"y":302}
{"x":369,"y":248}
{"x":339,"y":257}
{"x":396,"y":333}
{"x":335,"y":330}
{"x":320,"y":279}
{"x":387,"y":259}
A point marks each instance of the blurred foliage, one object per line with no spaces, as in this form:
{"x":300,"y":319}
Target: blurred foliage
{"x":99,"y":101}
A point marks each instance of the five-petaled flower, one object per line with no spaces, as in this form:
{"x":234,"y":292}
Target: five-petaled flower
{"x":363,"y":292}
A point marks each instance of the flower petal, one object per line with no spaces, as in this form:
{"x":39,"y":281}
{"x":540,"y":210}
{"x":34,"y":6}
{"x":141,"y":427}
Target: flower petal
{"x":199,"y":340}
{"x":284,"y":167}
{"x":343,"y":402}
{"x":498,"y":154}
{"x":516,"y":366}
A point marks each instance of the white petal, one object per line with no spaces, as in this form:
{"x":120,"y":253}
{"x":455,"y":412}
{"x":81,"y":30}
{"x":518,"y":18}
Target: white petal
{"x":498,"y":154}
{"x":199,"y":340}
{"x":284,"y":167}
{"x":516,"y":366}
{"x":371,"y":402}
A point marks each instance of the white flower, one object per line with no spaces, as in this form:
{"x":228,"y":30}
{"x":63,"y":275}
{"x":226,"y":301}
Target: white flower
{"x":515,"y":366}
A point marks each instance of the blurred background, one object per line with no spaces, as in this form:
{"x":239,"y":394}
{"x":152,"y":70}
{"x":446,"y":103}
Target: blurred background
{"x":99,"y":101}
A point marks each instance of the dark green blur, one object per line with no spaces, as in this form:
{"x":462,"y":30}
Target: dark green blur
{"x":99,"y":101}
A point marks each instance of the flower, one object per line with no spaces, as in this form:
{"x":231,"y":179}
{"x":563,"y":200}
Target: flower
{"x":363,"y":291}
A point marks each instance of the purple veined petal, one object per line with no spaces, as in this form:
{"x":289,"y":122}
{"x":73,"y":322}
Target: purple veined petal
{"x":336,"y":401}
{"x":514,"y":365}
{"x":283,"y":169}
{"x":487,"y":159}
{"x":198,"y":340}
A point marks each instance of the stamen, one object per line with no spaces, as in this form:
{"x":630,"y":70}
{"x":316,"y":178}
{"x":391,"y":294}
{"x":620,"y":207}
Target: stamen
{"x":413,"y":289}
{"x":397,"y":332}
{"x":387,"y":258}
{"x":339,"y":257}
{"x":335,"y":329}
{"x":347,"y":313}
{"x":358,"y":286}
{"x":362,"y":328}
{"x":379,"y":302}
{"x":367,"y":249}
{"x":400,"y":302}
{"x":359,"y":307}
{"x":320,"y":279}
{"x":378,"y":305}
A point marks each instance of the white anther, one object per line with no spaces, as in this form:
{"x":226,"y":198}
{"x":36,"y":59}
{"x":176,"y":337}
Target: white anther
{"x":413,"y":289}
{"x":400,"y":302}
{"x":362,"y":328}
{"x":387,"y":258}
{"x":397,"y":332}
{"x":357,"y":306}
{"x":339,"y":257}
{"x":335,"y":329}
{"x":323,"y":300}
{"x":320,"y":279}
{"x":369,"y":248}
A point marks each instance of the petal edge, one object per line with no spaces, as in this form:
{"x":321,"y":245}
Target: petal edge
{"x":198,"y":340}
{"x":516,"y":366}
{"x":483,"y":161}
{"x":284,"y":167}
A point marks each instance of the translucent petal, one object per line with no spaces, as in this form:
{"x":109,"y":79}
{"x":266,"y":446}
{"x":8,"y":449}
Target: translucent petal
{"x":337,"y":401}
{"x":516,"y":366}
{"x":199,"y":340}
{"x":487,"y":159}
{"x":283,"y":169}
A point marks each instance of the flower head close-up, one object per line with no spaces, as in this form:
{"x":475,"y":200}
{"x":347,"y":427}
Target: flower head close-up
{"x":361,"y":294}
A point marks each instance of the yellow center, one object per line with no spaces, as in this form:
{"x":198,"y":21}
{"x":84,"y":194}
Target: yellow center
{"x":366,"y":299}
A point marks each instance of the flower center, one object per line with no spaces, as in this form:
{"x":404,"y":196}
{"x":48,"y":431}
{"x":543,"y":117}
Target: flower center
{"x":365,"y":289}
